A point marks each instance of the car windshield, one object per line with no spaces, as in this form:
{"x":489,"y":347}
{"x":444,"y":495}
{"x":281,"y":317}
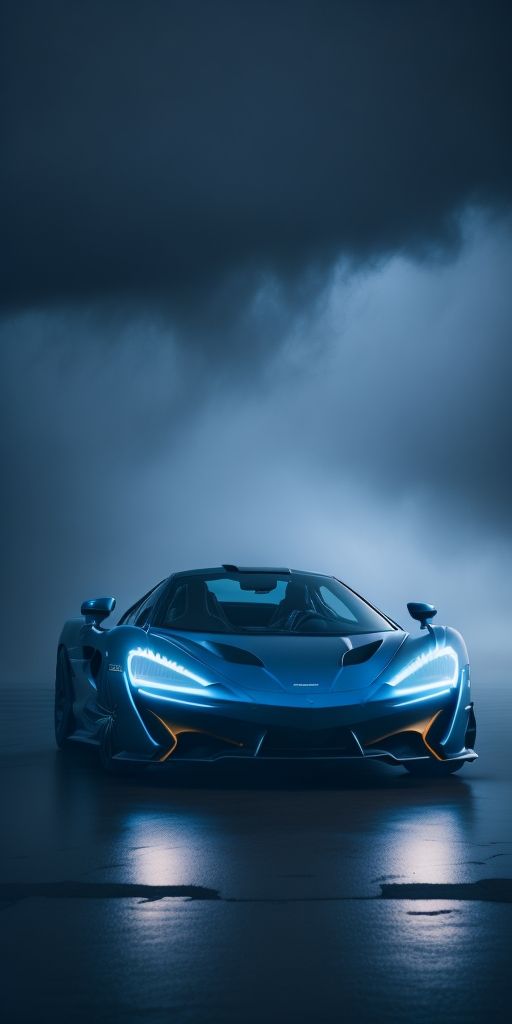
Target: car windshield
{"x":266,"y":603}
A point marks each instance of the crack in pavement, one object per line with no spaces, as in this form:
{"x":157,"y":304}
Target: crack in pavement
{"x":487,"y":890}
{"x":15,"y":891}
{"x":428,"y":913}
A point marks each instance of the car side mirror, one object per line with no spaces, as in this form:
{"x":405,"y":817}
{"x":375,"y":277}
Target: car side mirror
{"x":97,"y":609}
{"x":421,"y":612}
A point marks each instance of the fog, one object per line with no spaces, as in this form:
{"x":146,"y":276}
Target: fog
{"x":358,"y":427}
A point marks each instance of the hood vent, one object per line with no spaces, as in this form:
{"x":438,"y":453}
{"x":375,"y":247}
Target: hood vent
{"x":358,"y":655}
{"x":236,"y":655}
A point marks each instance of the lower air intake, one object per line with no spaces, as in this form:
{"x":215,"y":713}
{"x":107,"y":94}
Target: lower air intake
{"x":301,"y":743}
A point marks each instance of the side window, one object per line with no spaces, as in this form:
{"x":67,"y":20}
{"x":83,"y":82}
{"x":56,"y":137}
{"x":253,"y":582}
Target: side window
{"x":144,"y":610}
{"x":336,"y":604}
{"x":137,"y":615}
{"x":129,"y":617}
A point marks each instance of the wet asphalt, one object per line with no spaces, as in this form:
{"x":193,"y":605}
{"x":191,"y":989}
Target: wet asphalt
{"x":272,"y":893}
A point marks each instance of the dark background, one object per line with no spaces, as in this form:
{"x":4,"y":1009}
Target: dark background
{"x":256,"y":304}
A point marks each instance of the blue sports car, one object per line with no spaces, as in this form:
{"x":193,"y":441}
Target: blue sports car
{"x":263,"y":663}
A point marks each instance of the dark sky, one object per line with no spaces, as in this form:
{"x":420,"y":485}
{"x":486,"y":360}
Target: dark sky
{"x":256,"y":302}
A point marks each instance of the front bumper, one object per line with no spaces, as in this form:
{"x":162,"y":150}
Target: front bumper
{"x":374,"y":730}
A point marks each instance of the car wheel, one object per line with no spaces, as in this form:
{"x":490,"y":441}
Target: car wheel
{"x":63,"y":706}
{"x":433,"y":769}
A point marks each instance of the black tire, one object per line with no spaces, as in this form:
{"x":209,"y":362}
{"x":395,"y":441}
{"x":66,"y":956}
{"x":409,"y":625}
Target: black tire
{"x":433,"y":769}
{"x":63,"y":705}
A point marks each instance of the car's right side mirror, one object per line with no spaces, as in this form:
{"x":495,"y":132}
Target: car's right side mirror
{"x":97,"y":609}
{"x":421,"y":612}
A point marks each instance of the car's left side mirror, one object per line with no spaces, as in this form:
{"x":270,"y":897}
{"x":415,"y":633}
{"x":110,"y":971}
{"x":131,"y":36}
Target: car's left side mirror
{"x":421,"y":612}
{"x":97,"y":609}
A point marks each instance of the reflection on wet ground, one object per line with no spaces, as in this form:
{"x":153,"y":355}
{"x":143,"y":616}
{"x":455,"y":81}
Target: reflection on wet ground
{"x":291,"y":892}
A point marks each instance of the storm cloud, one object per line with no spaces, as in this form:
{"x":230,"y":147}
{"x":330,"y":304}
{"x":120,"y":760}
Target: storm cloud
{"x":151,"y":149}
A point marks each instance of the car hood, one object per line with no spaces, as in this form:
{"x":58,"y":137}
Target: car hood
{"x":305,"y":668}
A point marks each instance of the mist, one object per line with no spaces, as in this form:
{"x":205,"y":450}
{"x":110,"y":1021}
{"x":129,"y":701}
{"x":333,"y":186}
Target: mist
{"x":359,"y":427}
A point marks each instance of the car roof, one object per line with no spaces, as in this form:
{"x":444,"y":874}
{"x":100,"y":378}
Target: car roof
{"x":230,"y":569}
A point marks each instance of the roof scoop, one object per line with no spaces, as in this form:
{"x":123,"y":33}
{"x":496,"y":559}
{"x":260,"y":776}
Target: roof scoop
{"x":358,"y":655}
{"x":229,"y":567}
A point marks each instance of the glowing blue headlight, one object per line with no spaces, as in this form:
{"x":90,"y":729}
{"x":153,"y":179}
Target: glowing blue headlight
{"x":431,"y":674}
{"x":149,"y":670}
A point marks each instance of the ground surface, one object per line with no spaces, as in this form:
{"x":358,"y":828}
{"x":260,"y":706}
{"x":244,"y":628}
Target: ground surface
{"x":285,"y":895}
